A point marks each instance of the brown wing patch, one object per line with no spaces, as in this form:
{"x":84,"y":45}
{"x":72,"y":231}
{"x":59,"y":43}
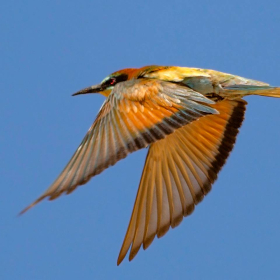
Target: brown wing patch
{"x":179,"y":172}
{"x":136,"y":114}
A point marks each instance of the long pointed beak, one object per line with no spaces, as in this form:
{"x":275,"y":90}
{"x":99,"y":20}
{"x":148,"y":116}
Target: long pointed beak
{"x":92,"y":89}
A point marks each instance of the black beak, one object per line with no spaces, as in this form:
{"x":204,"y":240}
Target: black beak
{"x":92,"y":89}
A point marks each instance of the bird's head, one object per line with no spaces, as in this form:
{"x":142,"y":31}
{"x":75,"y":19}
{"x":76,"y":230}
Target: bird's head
{"x":106,"y":86}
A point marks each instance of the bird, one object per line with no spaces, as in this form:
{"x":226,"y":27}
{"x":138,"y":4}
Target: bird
{"x":188,"y":118}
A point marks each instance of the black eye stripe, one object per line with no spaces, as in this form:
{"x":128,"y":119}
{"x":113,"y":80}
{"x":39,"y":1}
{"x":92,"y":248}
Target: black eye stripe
{"x":116,"y":79}
{"x":121,"y":78}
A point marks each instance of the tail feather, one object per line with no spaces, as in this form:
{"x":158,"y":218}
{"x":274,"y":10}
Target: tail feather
{"x":243,"y":90}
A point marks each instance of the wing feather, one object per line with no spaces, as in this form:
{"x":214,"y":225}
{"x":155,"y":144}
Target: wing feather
{"x":179,"y":172}
{"x":136,"y":114}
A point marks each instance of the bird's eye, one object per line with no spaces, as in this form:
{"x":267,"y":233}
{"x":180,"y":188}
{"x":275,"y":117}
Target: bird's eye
{"x":112,"y":81}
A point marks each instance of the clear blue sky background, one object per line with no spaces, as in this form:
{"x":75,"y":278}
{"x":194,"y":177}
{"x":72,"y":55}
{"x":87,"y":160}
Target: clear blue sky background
{"x":50,"y":49}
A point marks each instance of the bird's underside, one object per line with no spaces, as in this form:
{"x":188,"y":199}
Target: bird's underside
{"x":188,"y":117}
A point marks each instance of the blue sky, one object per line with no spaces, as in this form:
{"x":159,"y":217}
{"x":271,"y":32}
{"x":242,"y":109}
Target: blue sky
{"x":51,"y":49}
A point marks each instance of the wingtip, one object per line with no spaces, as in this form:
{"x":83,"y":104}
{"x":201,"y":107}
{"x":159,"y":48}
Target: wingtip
{"x":26,"y":209}
{"x":120,"y":259}
{"x":132,"y":255}
{"x":31,"y":205}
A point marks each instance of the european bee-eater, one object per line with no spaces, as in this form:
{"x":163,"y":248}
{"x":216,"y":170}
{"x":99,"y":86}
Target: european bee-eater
{"x":188,"y":117}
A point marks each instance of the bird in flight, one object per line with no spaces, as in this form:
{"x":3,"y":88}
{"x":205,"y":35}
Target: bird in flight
{"x":188,"y":117}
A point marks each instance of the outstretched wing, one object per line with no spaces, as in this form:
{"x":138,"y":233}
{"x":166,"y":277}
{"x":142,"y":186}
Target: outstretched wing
{"x":136,"y":114}
{"x":179,"y":172}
